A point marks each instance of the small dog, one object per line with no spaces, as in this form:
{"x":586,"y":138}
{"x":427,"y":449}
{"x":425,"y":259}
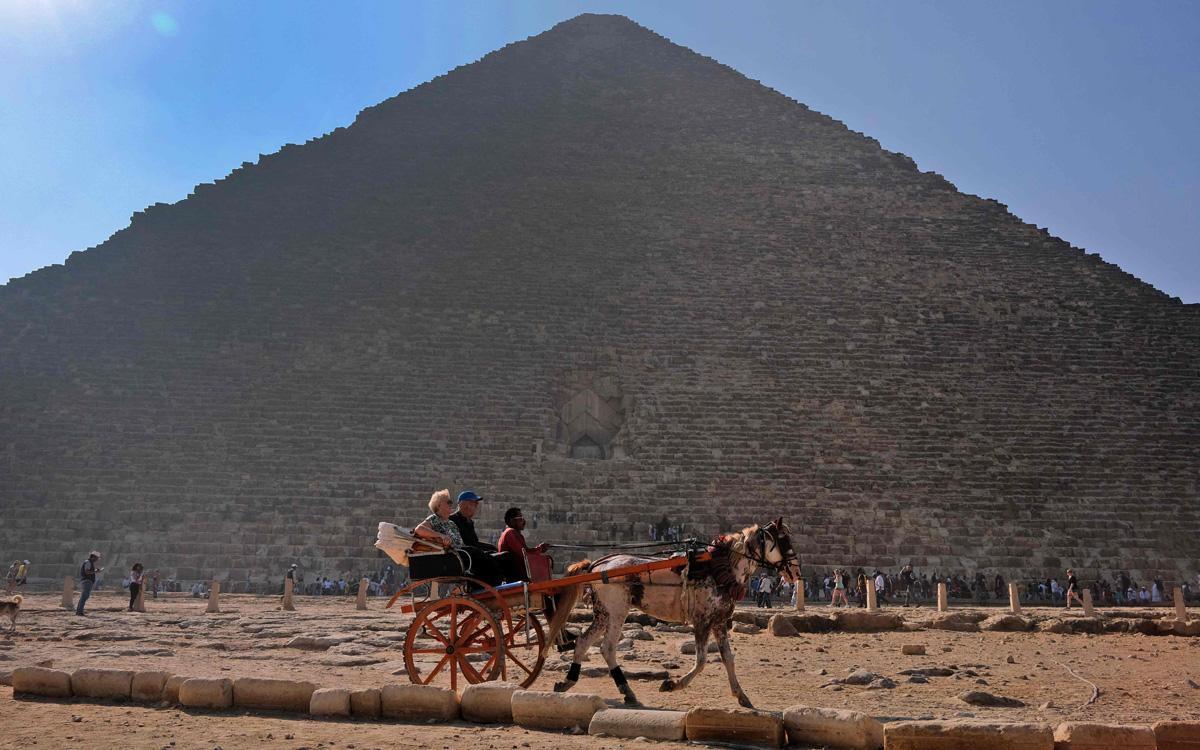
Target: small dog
{"x":11,"y":609}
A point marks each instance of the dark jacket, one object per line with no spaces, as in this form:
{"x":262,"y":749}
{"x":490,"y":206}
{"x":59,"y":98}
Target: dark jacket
{"x":466,"y":527}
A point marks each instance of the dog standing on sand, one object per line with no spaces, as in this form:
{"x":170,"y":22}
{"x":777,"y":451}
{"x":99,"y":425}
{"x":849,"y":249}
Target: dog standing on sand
{"x":11,"y":609}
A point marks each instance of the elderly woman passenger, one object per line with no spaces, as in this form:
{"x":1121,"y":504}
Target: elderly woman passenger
{"x":437,"y":526}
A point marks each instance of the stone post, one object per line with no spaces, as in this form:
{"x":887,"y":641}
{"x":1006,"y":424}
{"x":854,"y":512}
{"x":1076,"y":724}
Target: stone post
{"x":361,"y":604}
{"x":139,"y":604}
{"x":288,"y":587}
{"x":68,"y":601}
{"x":1180,"y":606}
{"x":1088,"y":609}
{"x":943,"y":596}
{"x":213,"y":595}
{"x":799,"y":596}
{"x":872,"y":602}
{"x":1014,"y":599}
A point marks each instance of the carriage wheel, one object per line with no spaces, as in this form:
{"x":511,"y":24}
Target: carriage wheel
{"x":523,"y":653}
{"x":453,"y":639}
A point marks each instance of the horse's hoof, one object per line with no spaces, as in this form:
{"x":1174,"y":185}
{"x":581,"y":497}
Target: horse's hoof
{"x":632,"y":701}
{"x":561,"y":687}
{"x":744,"y":702}
{"x":667,"y":686}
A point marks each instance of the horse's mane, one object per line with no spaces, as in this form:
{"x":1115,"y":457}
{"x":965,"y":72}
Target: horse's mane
{"x":720,"y":565}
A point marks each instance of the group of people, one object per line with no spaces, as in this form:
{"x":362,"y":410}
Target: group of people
{"x":453,"y":530}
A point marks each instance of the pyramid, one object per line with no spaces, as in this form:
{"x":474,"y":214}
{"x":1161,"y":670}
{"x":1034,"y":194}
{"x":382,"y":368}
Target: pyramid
{"x":617,"y":284}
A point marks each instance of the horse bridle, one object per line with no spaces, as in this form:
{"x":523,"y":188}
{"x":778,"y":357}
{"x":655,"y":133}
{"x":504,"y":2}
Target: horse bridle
{"x":782,"y":541}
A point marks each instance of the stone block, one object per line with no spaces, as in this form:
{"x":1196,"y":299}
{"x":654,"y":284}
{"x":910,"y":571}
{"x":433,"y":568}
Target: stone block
{"x":861,"y":621}
{"x":812,"y":623}
{"x":962,"y":622}
{"x":102,"y":683}
{"x":488,"y":702}
{"x":756,"y":728}
{"x":148,"y":686}
{"x":967,"y":734}
{"x":781,"y":626}
{"x":200,"y":692}
{"x":366,"y":703}
{"x":51,"y":683}
{"x":832,"y":727}
{"x":272,"y":695}
{"x":1082,"y":735}
{"x":1177,"y":735}
{"x":913,"y":649}
{"x":633,"y":723}
{"x":330,"y":702}
{"x":418,"y":703}
{"x":1006,"y":623}
{"x":170,"y":691}
{"x":537,"y":709}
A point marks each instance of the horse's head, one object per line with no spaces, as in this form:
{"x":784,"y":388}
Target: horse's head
{"x":777,"y":550}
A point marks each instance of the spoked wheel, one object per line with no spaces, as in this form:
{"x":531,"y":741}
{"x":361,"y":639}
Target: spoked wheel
{"x":525,"y":653}
{"x":452,"y":640}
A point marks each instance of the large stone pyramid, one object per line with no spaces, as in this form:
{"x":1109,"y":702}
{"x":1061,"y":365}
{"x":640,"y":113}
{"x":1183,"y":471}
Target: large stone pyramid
{"x":616,"y":283}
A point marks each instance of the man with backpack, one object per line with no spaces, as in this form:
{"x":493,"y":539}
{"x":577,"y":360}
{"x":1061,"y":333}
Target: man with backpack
{"x":87,"y":579}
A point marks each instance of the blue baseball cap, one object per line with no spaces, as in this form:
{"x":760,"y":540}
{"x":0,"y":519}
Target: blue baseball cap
{"x":468,"y":495}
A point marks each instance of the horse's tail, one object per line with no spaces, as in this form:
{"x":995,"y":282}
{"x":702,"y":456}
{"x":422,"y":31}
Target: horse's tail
{"x":567,"y":598}
{"x":17,"y":600}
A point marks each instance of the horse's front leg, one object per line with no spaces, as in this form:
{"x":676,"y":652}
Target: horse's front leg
{"x":594,"y":631}
{"x":701,"y":634}
{"x":722,"y":636}
{"x":608,"y":649}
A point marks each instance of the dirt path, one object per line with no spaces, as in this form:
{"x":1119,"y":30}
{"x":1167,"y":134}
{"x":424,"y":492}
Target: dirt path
{"x":1141,"y":678}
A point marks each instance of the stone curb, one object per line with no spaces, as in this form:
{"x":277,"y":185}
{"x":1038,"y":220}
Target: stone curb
{"x":834,"y":728}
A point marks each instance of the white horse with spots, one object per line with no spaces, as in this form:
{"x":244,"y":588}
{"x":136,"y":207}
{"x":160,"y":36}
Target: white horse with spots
{"x":705,"y":600}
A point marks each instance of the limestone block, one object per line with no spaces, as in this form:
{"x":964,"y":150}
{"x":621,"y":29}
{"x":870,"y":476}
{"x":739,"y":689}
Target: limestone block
{"x":170,"y":691}
{"x":832,"y":727}
{"x":1006,"y":623}
{"x":1176,"y":627}
{"x":102,"y":683}
{"x":277,"y":695}
{"x":488,"y":702}
{"x":418,"y":702}
{"x":148,"y":686}
{"x":537,"y":709}
{"x":366,"y":703}
{"x":51,"y":683}
{"x":963,"y":622}
{"x":330,"y":702}
{"x":913,"y":649}
{"x":756,"y":728}
{"x":967,"y":734}
{"x":633,"y":723}
{"x":1081,"y":735}
{"x":860,"y":621}
{"x":812,"y":623}
{"x":1177,"y":735}
{"x":781,"y":626}
{"x":199,"y":692}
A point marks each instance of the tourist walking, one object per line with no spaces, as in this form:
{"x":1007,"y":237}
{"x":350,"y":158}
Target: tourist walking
{"x":907,"y":581}
{"x":1072,"y":589}
{"x":839,"y":589}
{"x":136,"y":577}
{"x":87,"y":580}
{"x":10,"y":578}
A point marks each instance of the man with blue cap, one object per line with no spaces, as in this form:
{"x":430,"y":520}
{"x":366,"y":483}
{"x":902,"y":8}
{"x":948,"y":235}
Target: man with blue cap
{"x":464,"y":519}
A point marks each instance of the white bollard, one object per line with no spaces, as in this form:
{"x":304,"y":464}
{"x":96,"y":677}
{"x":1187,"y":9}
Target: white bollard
{"x":1014,"y":599}
{"x":1180,"y":607}
{"x":288,"y":587}
{"x":872,"y":602}
{"x":213,"y":593}
{"x":1088,"y":609}
{"x":361,"y":604}
{"x":68,"y":601}
{"x":943,"y":597}
{"x":799,"y":596}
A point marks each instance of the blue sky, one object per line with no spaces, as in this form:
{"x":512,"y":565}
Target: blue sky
{"x":1082,"y":116}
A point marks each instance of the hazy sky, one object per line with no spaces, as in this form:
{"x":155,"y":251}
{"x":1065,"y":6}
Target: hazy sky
{"x":1081,"y":116}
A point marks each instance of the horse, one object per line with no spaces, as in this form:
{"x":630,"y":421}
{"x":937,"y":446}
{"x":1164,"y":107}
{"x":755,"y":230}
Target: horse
{"x":704,"y":595}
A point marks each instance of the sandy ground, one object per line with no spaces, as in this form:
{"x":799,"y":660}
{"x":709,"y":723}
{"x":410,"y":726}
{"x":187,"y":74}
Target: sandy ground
{"x":1141,"y":678}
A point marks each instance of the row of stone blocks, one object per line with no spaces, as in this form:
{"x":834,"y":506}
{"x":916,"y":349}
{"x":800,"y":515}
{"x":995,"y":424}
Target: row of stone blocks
{"x":505,"y":703}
